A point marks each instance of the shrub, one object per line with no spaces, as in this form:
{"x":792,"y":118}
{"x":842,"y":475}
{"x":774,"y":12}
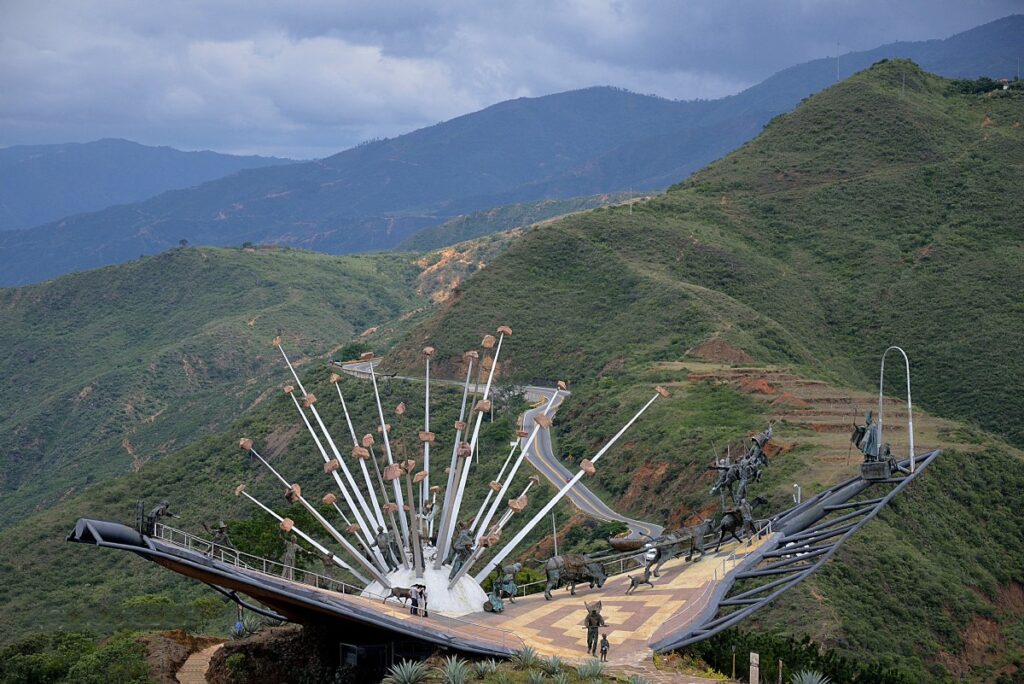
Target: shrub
{"x":552,"y":665}
{"x":455,"y":670}
{"x":482,"y":668}
{"x":525,"y":658}
{"x":121,"y":659}
{"x":407,"y":672}
{"x":235,"y":664}
{"x":206,"y":608}
{"x":591,"y":669}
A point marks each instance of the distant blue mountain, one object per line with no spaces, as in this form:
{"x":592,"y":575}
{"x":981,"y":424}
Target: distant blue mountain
{"x":374,"y":196}
{"x":42,"y":183}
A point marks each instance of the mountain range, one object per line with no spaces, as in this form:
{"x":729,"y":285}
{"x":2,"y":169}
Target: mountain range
{"x":42,"y":183}
{"x":374,"y":196}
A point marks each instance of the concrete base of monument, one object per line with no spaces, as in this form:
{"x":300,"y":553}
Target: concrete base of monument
{"x":464,"y":598}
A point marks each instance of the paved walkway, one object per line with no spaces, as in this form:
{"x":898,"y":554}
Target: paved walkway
{"x":195,"y":668}
{"x":556,"y":627}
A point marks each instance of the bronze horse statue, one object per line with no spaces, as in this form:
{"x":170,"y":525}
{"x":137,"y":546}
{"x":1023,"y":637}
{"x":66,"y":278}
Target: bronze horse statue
{"x":732,"y":520}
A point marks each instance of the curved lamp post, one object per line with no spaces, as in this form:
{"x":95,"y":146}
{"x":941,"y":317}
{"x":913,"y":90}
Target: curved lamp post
{"x":910,"y":407}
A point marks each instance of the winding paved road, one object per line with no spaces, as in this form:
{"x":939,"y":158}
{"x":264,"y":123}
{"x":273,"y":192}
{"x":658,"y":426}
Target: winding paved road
{"x":541,"y":454}
{"x":542,"y":457}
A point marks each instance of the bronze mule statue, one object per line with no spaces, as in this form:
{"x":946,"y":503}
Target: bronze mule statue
{"x":688,"y":540}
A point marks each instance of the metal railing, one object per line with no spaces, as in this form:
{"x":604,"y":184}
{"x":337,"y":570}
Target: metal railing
{"x":231,"y":556}
{"x":247,"y":561}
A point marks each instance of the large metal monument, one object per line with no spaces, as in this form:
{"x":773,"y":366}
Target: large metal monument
{"x":394,"y":529}
{"x":398,"y":528}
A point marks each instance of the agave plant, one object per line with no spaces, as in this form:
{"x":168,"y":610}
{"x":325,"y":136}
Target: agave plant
{"x":809,"y":677}
{"x":560,"y":678}
{"x":552,"y":665}
{"x":455,"y":670}
{"x":482,"y":668}
{"x":590,"y":669}
{"x":637,"y":679}
{"x":503,"y":678}
{"x":535,"y":677}
{"x":525,"y":658}
{"x":407,"y":672}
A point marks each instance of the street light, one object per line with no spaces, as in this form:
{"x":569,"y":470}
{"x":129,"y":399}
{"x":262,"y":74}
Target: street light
{"x":910,"y":408}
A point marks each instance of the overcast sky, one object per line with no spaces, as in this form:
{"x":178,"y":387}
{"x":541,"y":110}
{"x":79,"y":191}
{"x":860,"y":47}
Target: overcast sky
{"x":312,"y":77}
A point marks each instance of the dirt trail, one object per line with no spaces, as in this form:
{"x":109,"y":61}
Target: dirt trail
{"x":194,"y":669}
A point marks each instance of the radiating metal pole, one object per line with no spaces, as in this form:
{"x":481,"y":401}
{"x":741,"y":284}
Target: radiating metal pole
{"x":444,"y":540}
{"x":425,"y":485}
{"x":501,"y":555}
{"x":311,"y":403}
{"x":463,"y":465}
{"x":479,"y":550}
{"x":337,"y":479}
{"x":373,"y":569}
{"x":414,"y":534}
{"x":312,"y":542}
{"x":391,"y":516}
{"x":371,"y":490}
{"x":362,"y":542}
{"x":399,"y":499}
{"x":515,"y":468}
{"x":490,"y":492}
{"x":554,"y":532}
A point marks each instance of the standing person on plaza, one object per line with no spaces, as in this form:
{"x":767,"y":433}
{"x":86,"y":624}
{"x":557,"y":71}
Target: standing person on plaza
{"x":423,"y":598}
{"x":414,"y":594}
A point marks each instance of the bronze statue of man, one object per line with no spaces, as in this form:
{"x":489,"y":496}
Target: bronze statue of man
{"x":291,"y":547}
{"x":384,"y":542}
{"x":462,"y":547}
{"x":592,"y":623}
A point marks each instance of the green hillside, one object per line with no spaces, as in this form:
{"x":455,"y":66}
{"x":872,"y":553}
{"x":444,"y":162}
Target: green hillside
{"x":109,"y":370}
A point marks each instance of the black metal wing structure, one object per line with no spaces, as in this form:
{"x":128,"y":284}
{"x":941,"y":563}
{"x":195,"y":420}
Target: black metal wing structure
{"x":802,"y":540}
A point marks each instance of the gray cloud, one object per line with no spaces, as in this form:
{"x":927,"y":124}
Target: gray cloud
{"x":311,"y":78}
